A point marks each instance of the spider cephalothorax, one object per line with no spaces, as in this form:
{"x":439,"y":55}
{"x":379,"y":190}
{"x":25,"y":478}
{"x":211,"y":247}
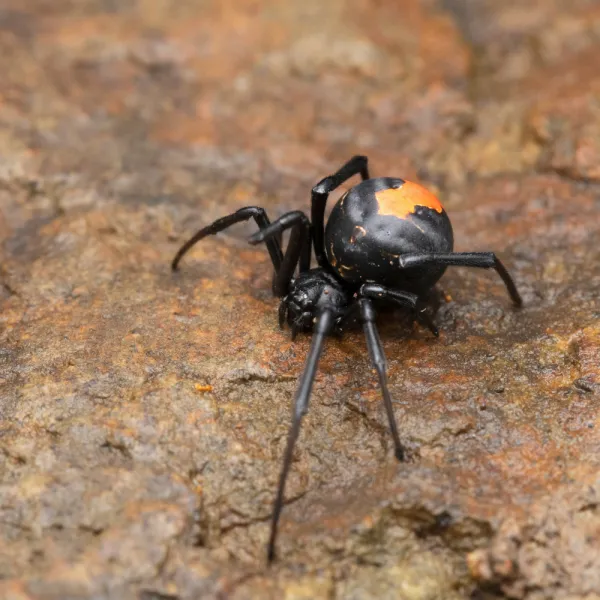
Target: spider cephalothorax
{"x":309,"y":293}
{"x":386,"y":240}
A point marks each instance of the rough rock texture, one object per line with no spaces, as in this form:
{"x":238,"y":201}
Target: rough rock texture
{"x":143,"y":414}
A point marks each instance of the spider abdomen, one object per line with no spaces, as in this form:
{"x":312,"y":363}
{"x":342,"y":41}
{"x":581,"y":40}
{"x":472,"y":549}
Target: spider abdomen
{"x":377,"y":222}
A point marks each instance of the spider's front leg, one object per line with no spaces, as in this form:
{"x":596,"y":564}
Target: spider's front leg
{"x":373,"y":291}
{"x":367,"y":316}
{"x":405,"y":299}
{"x":323,"y":326}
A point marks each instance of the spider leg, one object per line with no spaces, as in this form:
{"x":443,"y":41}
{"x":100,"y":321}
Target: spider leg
{"x":300,"y":324}
{"x":375,"y":291}
{"x":367,"y":313}
{"x":320,"y":193}
{"x":482,"y":260}
{"x":322,"y":327}
{"x":243,"y":214}
{"x":282,"y":312}
{"x":298,"y":248}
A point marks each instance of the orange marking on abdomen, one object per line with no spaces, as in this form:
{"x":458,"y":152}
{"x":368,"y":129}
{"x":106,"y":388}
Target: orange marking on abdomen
{"x":403,"y":201}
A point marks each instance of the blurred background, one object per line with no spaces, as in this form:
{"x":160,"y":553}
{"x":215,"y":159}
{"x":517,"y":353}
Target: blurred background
{"x":143,"y":414}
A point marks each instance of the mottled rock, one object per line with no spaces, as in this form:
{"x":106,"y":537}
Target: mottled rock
{"x":143,"y":413}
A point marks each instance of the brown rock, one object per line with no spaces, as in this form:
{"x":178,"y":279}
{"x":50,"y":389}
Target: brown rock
{"x":143,"y":414}
{"x":553,"y":553}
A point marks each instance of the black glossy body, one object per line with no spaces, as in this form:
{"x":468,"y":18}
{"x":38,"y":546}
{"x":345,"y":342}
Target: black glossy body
{"x":365,"y":246}
{"x":386,"y":240}
{"x":312,"y":290}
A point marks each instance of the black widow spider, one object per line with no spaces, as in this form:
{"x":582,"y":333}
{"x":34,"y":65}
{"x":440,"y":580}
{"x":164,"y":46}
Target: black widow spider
{"x":386,"y":239}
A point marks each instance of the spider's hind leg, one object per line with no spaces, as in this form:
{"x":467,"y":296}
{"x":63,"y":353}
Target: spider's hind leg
{"x":357,"y":165}
{"x":479,"y":260}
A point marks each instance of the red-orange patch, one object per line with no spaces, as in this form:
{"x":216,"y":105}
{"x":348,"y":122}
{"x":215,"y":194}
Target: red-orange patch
{"x":403,"y":201}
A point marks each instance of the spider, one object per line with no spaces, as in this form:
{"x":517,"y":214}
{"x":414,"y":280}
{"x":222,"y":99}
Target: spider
{"x":386,"y":240}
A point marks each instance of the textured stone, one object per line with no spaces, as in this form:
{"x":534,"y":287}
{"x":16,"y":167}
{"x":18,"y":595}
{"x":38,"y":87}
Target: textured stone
{"x":143,"y":413}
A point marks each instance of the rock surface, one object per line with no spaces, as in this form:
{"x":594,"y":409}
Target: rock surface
{"x":143,"y":414}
